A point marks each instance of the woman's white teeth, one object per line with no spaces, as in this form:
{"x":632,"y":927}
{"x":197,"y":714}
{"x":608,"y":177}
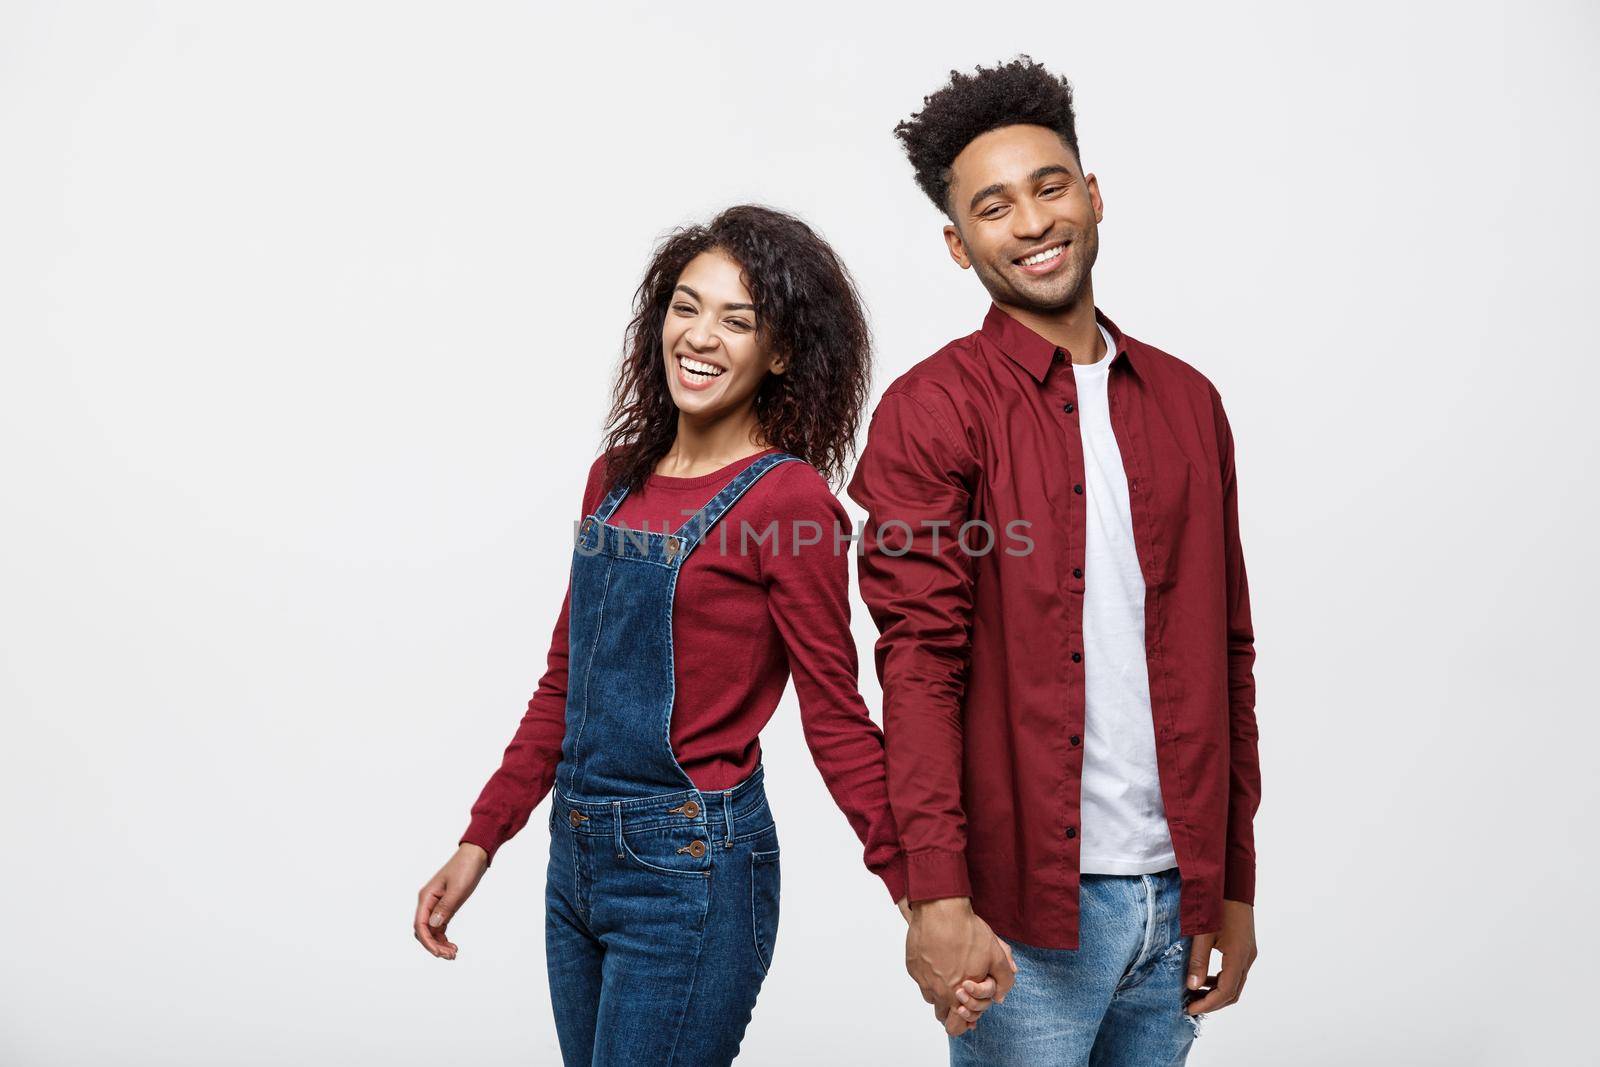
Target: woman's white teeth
{"x":1040,"y":257}
{"x":694,"y":366}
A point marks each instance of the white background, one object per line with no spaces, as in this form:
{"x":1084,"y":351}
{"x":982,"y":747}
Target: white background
{"x":308,"y":315}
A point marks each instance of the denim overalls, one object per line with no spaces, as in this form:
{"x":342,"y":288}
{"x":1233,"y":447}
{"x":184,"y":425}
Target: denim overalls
{"x":662,"y":901}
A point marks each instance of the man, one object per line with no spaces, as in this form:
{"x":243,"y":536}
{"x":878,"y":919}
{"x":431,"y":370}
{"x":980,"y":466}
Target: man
{"x":1052,"y":558}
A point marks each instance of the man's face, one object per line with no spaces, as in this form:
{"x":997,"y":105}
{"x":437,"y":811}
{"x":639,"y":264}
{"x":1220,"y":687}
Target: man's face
{"x":1025,"y":216}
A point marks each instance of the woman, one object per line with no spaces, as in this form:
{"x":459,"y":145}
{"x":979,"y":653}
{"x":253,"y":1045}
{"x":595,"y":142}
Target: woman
{"x":741,"y":391}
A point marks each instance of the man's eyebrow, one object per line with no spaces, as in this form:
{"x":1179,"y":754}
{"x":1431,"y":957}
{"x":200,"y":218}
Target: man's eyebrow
{"x":1000,"y":187}
{"x":726,"y":307}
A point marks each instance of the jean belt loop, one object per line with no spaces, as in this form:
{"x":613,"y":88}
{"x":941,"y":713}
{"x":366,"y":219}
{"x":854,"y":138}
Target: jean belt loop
{"x":616,"y":825}
{"x":727,"y":815}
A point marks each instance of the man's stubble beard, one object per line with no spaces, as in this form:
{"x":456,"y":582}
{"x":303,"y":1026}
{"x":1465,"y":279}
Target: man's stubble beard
{"x":1081,"y":253}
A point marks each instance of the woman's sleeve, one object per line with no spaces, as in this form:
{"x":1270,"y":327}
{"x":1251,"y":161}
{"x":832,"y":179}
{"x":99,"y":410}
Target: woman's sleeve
{"x":528,"y":767}
{"x":806,"y":571}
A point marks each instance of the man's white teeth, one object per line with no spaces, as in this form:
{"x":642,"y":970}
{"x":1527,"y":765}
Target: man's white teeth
{"x":1040,"y":257}
{"x":694,"y":366}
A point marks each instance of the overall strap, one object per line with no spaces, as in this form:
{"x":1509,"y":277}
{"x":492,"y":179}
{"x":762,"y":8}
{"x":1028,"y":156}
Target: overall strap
{"x":610,"y":503}
{"x":691,"y":532}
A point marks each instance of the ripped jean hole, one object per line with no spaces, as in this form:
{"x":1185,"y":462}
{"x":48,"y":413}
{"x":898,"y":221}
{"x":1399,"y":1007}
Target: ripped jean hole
{"x":1194,"y":1021}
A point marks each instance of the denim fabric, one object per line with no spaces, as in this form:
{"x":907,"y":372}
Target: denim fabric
{"x":1114,"y":1001}
{"x":661,"y":904}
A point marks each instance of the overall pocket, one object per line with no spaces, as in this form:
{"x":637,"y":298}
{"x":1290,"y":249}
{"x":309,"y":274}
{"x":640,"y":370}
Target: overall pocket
{"x":764,"y":887}
{"x":679,"y":851}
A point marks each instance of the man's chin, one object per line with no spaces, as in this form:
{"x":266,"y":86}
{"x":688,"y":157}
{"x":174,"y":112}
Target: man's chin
{"x":1046,"y":297}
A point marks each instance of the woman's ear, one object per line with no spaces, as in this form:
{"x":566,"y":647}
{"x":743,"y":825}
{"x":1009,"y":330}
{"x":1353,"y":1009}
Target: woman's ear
{"x":778,"y":365}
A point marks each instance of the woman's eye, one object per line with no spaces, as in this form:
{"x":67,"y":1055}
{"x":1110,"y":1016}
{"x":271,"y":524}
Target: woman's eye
{"x":739,"y":324}
{"x":685,"y":308}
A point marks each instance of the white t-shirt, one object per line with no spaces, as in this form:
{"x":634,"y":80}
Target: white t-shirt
{"x":1124,"y":827}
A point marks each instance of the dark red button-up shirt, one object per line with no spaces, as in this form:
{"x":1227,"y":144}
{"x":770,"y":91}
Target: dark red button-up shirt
{"x":982,"y":688}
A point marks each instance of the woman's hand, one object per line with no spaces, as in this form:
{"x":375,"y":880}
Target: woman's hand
{"x":442,"y":897}
{"x":974,"y":998}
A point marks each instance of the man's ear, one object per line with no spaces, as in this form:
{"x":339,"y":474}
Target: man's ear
{"x":957,"y":247}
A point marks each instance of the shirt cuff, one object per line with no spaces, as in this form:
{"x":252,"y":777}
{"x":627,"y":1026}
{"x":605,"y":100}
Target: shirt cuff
{"x":485,"y":833}
{"x":935,"y":873}
{"x":894,"y":877}
{"x":1239,"y":881}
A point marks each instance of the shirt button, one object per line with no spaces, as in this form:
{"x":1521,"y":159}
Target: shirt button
{"x":1077,"y":572}
{"x":1077,"y":657}
{"x":1078,"y":489}
{"x":1076,"y":740}
{"x":1067,"y":408}
{"x":1072,"y":831}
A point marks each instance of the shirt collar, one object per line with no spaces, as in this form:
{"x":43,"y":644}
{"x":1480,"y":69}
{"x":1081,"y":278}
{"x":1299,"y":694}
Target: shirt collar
{"x":1035,"y":354}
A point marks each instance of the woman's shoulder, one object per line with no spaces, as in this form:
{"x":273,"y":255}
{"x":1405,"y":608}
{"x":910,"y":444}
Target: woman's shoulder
{"x":798,"y":487}
{"x":594,"y":486}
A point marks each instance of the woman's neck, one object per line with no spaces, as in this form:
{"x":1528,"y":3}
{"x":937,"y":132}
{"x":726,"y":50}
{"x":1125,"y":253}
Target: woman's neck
{"x":701,"y":448}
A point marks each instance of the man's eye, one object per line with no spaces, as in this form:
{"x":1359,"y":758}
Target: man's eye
{"x":1047,"y":190}
{"x":990,"y":212}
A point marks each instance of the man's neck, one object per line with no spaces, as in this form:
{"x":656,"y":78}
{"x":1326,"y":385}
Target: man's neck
{"x":1072,"y":327}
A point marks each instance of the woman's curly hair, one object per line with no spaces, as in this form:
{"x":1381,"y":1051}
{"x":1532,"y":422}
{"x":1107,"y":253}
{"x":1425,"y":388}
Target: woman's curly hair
{"x":807,"y":310}
{"x":1020,"y":92}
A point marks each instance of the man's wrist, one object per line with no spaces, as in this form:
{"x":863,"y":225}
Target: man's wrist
{"x":941,"y":906}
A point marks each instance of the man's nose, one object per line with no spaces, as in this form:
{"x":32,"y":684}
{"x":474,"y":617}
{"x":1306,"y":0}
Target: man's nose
{"x":1029,"y":220}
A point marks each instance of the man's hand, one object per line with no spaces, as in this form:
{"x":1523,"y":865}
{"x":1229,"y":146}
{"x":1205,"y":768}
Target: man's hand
{"x":1237,"y":943}
{"x":443,"y":895}
{"x":947,"y":945}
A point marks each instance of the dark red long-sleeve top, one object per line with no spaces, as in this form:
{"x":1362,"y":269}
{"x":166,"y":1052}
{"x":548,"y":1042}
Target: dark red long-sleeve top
{"x":745,"y":619}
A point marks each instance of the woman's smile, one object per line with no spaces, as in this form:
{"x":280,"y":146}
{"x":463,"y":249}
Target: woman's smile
{"x":697,"y":374}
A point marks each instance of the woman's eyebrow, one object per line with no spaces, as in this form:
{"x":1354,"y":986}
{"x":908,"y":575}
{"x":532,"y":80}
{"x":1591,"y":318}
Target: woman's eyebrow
{"x":725,"y":307}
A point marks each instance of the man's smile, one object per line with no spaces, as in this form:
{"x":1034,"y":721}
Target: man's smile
{"x":1043,"y":260}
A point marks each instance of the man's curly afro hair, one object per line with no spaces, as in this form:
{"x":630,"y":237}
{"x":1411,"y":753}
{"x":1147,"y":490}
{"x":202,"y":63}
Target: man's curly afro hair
{"x":1018,"y":92}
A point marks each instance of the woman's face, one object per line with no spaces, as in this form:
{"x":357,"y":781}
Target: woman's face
{"x":711,"y":339}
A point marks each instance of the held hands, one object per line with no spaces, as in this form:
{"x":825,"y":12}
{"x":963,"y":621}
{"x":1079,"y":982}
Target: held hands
{"x":956,"y":960}
{"x":443,"y":895}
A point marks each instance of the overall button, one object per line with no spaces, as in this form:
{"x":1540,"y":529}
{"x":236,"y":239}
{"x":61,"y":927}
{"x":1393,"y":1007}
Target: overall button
{"x":575,"y":818}
{"x":688,"y":809}
{"x":696,"y":849}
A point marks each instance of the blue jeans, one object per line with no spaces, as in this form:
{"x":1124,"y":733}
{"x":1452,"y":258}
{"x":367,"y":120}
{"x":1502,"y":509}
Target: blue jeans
{"x":656,"y":956}
{"x":1114,"y":1001}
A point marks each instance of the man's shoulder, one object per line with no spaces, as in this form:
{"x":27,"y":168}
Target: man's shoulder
{"x":947,"y":374}
{"x":1167,"y":371}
